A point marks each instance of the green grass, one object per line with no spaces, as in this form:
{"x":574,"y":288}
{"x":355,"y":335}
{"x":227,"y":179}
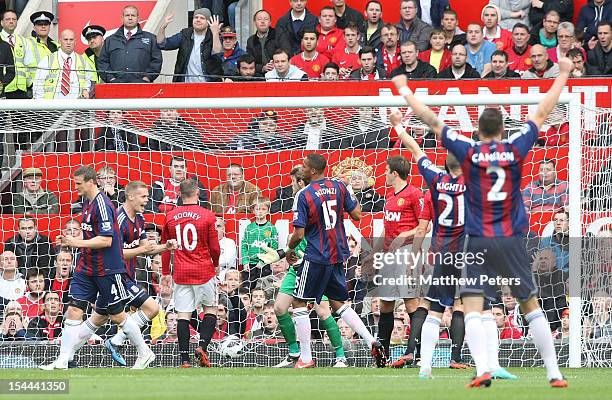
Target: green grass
{"x":314,"y":384}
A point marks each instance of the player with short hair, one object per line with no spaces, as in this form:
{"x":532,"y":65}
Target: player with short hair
{"x":496,"y":221}
{"x":195,"y":266}
{"x":135,"y":243}
{"x":100,"y":276}
{"x":318,"y":215}
{"x":445,"y":206}
{"x":402,"y":208}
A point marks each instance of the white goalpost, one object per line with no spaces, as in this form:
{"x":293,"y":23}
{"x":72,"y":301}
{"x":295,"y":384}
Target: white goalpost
{"x":218,"y":120}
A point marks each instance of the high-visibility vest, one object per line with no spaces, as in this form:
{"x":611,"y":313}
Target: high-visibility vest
{"x":91,"y":60}
{"x":39,"y":51}
{"x":53,"y":78}
{"x":19,"y":82}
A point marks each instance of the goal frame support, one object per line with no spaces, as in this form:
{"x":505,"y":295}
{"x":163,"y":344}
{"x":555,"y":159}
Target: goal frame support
{"x":573,"y":101}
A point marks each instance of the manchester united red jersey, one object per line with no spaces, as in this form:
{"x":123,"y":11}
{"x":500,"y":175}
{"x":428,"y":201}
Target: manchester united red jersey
{"x":193,"y":227}
{"x":313,"y":67}
{"x":330,"y":41}
{"x":402,"y":211}
{"x":427,"y":210}
{"x":346,"y":59}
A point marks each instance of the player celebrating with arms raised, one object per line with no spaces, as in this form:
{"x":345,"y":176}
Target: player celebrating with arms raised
{"x":135,"y":243}
{"x":318,"y":215}
{"x":99,"y":277}
{"x":496,"y":221}
{"x":196,"y":262}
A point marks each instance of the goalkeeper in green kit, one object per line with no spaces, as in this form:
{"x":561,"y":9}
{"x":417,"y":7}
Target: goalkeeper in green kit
{"x":283,"y":302}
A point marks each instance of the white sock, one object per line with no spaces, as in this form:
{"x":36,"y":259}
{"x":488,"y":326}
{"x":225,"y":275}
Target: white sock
{"x":490,"y":328}
{"x":141,"y":320}
{"x":132,"y":331}
{"x":476,"y":339}
{"x":429,"y":337}
{"x":70,"y":338}
{"x":302,"y":329}
{"x":542,"y":338}
{"x":352,"y":319}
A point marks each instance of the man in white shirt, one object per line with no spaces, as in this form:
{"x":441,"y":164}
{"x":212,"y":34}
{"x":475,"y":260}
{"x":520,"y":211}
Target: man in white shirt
{"x":63,"y":74}
{"x":12,"y":284}
{"x":229,"y":252}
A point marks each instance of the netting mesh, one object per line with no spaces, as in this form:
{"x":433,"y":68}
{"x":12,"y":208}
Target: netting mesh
{"x":268,"y":144}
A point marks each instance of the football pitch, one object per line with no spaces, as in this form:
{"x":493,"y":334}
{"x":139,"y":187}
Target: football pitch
{"x":312,"y":384}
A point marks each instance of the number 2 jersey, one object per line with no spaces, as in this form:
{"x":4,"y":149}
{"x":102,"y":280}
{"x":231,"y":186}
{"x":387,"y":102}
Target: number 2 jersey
{"x":402,"y":211}
{"x":444,"y":206}
{"x":197,"y":255}
{"x":132,"y":233}
{"x":492,"y":173}
{"x":99,"y":218}
{"x":319,"y":209}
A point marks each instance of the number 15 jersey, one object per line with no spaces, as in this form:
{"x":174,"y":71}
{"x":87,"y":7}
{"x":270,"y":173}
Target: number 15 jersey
{"x":492,"y":173}
{"x":197,"y":255}
{"x":319,"y":209}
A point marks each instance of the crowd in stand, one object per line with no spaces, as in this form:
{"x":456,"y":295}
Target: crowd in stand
{"x":513,"y":40}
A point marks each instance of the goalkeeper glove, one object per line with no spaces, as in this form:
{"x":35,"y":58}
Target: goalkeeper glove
{"x":270,"y":256}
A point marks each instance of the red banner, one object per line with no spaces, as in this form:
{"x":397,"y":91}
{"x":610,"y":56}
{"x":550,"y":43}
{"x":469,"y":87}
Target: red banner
{"x":77,"y":14}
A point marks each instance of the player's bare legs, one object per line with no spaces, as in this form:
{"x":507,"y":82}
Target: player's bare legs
{"x":542,"y":338}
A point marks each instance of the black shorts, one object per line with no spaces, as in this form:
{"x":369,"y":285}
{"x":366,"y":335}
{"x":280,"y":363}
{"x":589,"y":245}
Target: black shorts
{"x":315,"y":280}
{"x":443,"y":288}
{"x":497,"y":262}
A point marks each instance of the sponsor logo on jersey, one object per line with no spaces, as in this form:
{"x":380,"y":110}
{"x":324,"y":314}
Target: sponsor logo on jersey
{"x":392,"y":216}
{"x":106,"y":226}
{"x":132,"y":245}
{"x":86,"y":227}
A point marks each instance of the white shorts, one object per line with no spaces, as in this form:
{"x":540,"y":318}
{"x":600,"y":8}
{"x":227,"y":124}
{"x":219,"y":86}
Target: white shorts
{"x":408,"y":289}
{"x":188,"y":297}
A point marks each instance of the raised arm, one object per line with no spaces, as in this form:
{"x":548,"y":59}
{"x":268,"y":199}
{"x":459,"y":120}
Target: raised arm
{"x":424,"y":113}
{"x":551,"y":99}
{"x":395,"y":118}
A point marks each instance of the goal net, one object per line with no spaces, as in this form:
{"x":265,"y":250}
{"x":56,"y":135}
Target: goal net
{"x":253,"y":146}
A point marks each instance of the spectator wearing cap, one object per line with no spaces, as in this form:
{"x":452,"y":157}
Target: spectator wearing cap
{"x":311,"y":61}
{"x":130,"y":55}
{"x":263,"y":43}
{"x":231,"y":51}
{"x":600,"y":57}
{"x":94,"y":34}
{"x":291,"y":26}
{"x":197,"y":47}
{"x":459,"y":68}
{"x":33,"y":199}
{"x":518,"y":53}
{"x":330,"y":36}
{"x":410,"y":27}
{"x":345,"y":14}
{"x":543,"y":67}
{"x":63,"y":74}
{"x":283,"y":70}
{"x":262,"y":134}
{"x":33,"y":250}
{"x":411,"y":66}
{"x":545,"y":33}
{"x":499,"y":67}
{"x":493,"y":32}
{"x":247,"y":70}
{"x":369,"y":70}
{"x":40,"y":45}
{"x":512,"y":12}
{"x":373,"y":24}
{"x":17,"y":87}
{"x":347,"y":57}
